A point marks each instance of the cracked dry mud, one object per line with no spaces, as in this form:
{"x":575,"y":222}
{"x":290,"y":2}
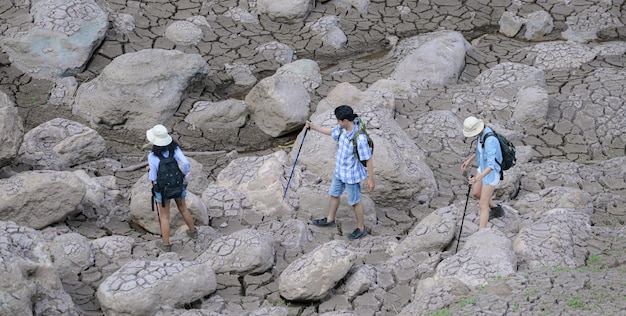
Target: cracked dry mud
{"x":593,"y":84}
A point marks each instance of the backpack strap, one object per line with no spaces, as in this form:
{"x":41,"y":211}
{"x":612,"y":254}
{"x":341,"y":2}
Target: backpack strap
{"x":358,"y":132}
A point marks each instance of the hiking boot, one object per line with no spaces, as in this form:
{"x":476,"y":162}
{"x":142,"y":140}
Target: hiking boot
{"x":496,"y":212}
{"x":356,"y":234}
{"x":193,"y":234}
{"x":164,"y":247}
{"x":323,"y":222}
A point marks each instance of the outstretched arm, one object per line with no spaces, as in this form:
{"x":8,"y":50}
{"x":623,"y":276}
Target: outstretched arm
{"x":323,"y":130}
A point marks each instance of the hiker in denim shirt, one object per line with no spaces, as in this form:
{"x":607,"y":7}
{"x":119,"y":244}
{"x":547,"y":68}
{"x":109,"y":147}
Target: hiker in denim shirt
{"x":349,"y":172}
{"x":488,"y":173}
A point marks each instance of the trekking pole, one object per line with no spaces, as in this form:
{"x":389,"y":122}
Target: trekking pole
{"x":469,"y":189}
{"x":295,"y":161}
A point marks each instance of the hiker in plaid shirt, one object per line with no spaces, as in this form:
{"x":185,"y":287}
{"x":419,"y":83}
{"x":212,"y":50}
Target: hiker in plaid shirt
{"x":349,"y":172}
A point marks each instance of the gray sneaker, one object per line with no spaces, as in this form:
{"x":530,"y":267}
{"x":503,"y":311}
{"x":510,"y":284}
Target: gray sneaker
{"x":356,"y":234}
{"x":164,"y":247}
{"x":496,"y":212}
{"x":193,"y":234}
{"x":323,"y":222}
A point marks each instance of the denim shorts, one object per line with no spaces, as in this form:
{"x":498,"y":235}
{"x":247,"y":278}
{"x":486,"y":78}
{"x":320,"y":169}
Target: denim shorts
{"x":157,"y":196}
{"x":354,"y":190}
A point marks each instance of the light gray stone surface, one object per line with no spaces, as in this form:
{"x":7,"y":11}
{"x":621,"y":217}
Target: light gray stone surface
{"x":314,"y":274}
{"x":60,"y":144}
{"x":577,"y":144}
{"x":140,"y":287}
{"x":40,"y":198}
{"x":138,"y":90}
{"x":66,"y":33}
{"x":12,"y":130}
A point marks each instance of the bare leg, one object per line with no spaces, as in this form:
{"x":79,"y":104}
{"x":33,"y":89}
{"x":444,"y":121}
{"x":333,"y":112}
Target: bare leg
{"x":477,"y":190}
{"x":358,"y":211}
{"x":184,"y":212}
{"x":334,"y":205}
{"x":164,"y":212}
{"x":485,"y":203}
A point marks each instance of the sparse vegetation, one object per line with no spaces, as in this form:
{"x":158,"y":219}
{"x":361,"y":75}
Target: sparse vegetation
{"x":283,"y":303}
{"x":593,"y":259}
{"x":466,"y":301}
{"x":442,"y":312}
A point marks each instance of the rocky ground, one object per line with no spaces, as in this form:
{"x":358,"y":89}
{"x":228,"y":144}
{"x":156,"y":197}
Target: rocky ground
{"x":575,"y":132}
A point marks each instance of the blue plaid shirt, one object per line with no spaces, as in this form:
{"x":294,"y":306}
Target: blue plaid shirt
{"x":348,"y":168}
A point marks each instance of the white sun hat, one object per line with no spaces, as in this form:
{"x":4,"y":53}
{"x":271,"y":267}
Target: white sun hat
{"x":472,"y":126}
{"x":158,"y":135}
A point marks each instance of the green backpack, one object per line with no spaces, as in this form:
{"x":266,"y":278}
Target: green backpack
{"x":362,"y":130}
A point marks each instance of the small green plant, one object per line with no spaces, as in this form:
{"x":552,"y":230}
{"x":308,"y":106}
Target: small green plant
{"x":33,"y":100}
{"x":593,"y":259}
{"x":466,"y":301}
{"x":442,"y":312}
{"x":575,"y":303}
{"x":283,"y":303}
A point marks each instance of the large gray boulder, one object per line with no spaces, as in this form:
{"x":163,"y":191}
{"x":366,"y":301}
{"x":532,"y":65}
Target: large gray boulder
{"x":313,"y":275}
{"x":280,"y":104}
{"x":111,"y":253}
{"x":184,"y":33}
{"x":251,"y":185}
{"x":208,"y":116}
{"x":328,"y":30}
{"x":141,"y":287}
{"x":59,"y":144}
{"x":246,"y":251}
{"x":71,"y":254}
{"x":558,"y":238}
{"x":138,"y":90}
{"x":432,"y":234}
{"x":11,"y":130}
{"x":39,"y":198}
{"x":538,"y":24}
{"x":223,"y":123}
{"x":431,"y":59}
{"x":487,"y":254}
{"x":286,"y":11}
{"x":29,"y":284}
{"x":534,"y":205}
{"x":434,"y":294}
{"x":66,"y":32}
{"x":104,"y":199}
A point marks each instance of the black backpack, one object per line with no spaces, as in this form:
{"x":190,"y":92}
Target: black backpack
{"x":370,"y":142}
{"x":508,"y":152}
{"x":170,"y":179}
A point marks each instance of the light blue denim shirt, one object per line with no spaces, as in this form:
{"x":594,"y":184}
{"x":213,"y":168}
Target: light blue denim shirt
{"x":486,"y":156}
{"x":348,"y":168}
{"x":153,"y":162}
